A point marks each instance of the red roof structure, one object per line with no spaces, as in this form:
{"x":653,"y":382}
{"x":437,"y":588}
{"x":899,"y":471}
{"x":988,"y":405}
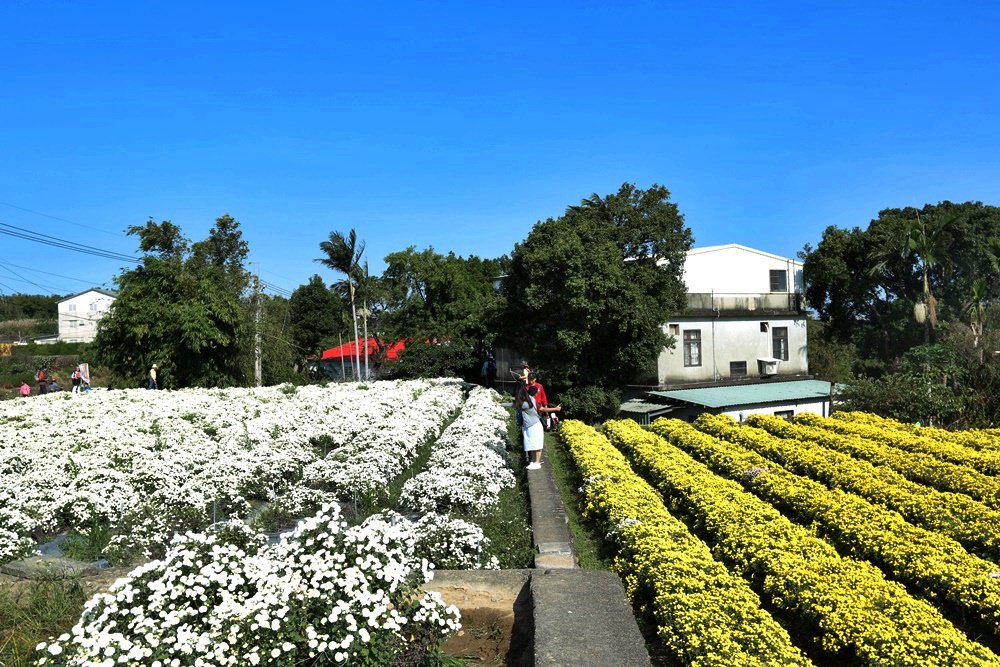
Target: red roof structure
{"x":348,"y":350}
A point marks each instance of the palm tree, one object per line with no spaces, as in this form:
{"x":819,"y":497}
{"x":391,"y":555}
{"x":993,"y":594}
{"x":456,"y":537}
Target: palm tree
{"x":929,"y":244}
{"x":976,"y":310}
{"x":343,"y":254}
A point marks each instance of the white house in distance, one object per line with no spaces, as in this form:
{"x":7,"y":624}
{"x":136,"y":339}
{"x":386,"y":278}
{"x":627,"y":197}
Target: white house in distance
{"x":79,"y":314}
{"x":745,"y":318}
{"x":740,"y":345}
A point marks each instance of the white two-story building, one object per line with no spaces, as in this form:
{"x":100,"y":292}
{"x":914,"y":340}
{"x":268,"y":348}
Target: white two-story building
{"x":740,"y":346}
{"x":80,"y":313}
{"x":745,"y":318}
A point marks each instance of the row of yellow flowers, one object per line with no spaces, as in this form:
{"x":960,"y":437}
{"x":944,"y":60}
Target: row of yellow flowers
{"x":856,"y":613}
{"x":961,"y":518}
{"x":705,"y":615}
{"x":935,"y":565}
{"x":986,"y":461}
{"x":974,"y":438}
{"x":915,"y":466}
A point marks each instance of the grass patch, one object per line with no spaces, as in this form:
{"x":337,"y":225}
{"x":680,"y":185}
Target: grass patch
{"x":592,"y":549}
{"x":34,"y":612}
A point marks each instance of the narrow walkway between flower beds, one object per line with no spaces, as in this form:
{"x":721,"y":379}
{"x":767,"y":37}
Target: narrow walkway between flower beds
{"x":581,"y":617}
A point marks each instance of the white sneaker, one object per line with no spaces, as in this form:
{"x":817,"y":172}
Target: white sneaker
{"x":534,"y":466}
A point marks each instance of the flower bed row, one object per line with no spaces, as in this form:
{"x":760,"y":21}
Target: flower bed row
{"x":928,"y":562}
{"x":705,"y":615}
{"x":916,"y":466}
{"x":986,"y":439}
{"x":967,"y":521}
{"x":986,"y":461}
{"x":854,"y":610}
{"x":325,"y":595}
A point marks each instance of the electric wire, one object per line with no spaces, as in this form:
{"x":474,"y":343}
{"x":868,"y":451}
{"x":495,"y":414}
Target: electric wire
{"x":45,"y":239}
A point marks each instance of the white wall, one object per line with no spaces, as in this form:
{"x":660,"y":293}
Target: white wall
{"x":735,"y":269}
{"x":732,"y":339}
{"x":817,"y":406}
{"x":78,"y":316}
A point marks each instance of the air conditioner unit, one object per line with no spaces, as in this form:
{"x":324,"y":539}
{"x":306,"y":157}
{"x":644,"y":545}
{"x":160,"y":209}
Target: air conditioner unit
{"x":767,"y":366}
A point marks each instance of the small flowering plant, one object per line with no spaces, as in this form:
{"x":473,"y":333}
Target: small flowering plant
{"x":326,"y":594}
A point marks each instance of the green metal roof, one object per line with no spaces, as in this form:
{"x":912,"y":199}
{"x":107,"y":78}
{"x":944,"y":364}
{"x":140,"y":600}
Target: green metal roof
{"x":746,"y":394}
{"x":637,"y":405}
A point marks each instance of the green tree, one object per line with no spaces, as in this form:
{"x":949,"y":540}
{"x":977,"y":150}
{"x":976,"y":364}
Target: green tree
{"x":866,"y":284}
{"x":182,"y":308}
{"x":316,"y":316}
{"x":279,"y":352}
{"x":588,"y":294}
{"x":445,"y":298}
{"x":343,"y":254}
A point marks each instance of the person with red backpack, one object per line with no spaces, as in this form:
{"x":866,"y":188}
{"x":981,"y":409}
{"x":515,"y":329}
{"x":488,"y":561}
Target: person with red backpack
{"x":42,"y":380}
{"x":77,"y":379}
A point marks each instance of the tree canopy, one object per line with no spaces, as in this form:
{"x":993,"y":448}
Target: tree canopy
{"x":182,"y":308}
{"x":443,"y":298}
{"x":588,"y":293}
{"x":317,"y":315}
{"x":915,"y":287}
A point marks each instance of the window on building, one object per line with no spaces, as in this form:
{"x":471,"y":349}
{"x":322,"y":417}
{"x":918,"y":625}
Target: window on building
{"x":93,"y":307}
{"x":71,"y":308}
{"x":692,"y":347}
{"x":779,"y":281}
{"x":674,"y":329}
{"x":738,"y":369}
{"x":763,"y":327}
{"x":72,"y":323}
{"x":779,"y":343}
{"x":785,"y":414}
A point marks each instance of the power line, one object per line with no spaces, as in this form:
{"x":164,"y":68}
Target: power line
{"x":55,"y":217}
{"x":5,"y":264}
{"x":28,"y":235}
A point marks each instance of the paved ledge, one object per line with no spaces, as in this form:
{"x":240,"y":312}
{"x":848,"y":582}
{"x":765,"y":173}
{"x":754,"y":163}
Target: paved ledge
{"x":582,"y":618}
{"x":549,"y":526}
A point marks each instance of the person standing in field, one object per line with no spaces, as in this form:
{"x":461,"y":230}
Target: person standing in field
{"x":25,"y":389}
{"x":152,"y":384}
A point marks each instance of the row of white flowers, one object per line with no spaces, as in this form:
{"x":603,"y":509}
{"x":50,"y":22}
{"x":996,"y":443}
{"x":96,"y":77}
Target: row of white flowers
{"x":155,"y":463}
{"x":326,"y":594}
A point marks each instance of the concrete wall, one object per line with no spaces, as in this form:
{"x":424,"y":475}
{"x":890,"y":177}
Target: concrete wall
{"x":78,"y":316}
{"x":732,"y":339}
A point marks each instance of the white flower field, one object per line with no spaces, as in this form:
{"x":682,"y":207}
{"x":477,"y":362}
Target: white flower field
{"x":198,"y":484}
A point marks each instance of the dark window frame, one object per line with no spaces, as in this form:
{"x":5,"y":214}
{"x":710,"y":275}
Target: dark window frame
{"x":779,"y":343}
{"x":692,"y":348}
{"x":779,"y":280}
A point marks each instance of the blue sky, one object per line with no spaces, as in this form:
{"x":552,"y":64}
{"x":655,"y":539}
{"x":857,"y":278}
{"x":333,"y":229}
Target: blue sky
{"x":459,"y":125}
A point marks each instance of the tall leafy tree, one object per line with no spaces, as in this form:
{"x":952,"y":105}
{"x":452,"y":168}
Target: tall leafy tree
{"x":444,"y":298}
{"x":182,"y":308}
{"x":316,"y":315}
{"x":588,"y":293}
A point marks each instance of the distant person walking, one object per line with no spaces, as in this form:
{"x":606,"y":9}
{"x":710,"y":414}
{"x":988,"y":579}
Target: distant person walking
{"x":42,"y":380}
{"x":489,"y":372}
{"x":152,"y":384}
{"x":77,"y":379}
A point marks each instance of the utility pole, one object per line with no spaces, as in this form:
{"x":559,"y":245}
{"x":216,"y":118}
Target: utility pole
{"x":257,"y":375}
